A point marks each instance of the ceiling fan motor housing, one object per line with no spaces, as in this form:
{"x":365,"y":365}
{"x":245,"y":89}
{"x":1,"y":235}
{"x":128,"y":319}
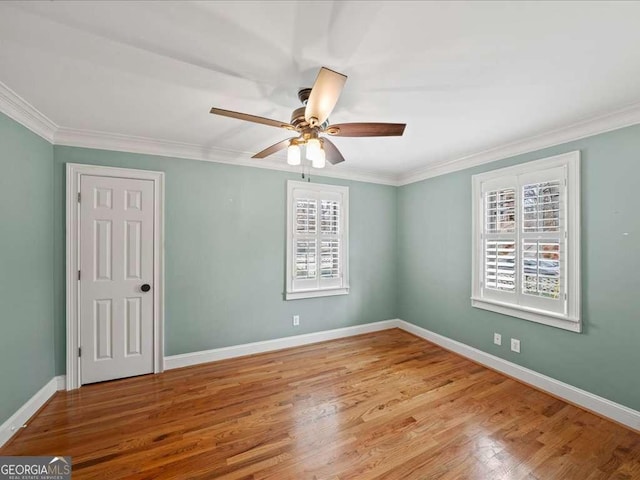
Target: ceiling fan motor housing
{"x":300,"y":123}
{"x":303,"y":95}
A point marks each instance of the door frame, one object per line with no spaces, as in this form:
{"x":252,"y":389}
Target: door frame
{"x":74,"y":172}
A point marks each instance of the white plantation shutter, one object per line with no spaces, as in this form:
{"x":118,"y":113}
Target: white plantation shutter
{"x":500,"y":265}
{"x":500,"y":238}
{"x":501,"y":210}
{"x":316,"y":240}
{"x":306,"y":211}
{"x":542,"y":240}
{"x":306,"y":245}
{"x":306,"y":261}
{"x":330,"y":258}
{"x":330,"y":239}
{"x":526,"y":241}
{"x":541,"y":272}
{"x":522,"y":230}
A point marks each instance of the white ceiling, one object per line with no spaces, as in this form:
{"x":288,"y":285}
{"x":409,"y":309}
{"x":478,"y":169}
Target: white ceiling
{"x":464,"y":76}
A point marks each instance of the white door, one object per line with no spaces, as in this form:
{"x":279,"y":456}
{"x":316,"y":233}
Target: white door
{"x":116,"y":277}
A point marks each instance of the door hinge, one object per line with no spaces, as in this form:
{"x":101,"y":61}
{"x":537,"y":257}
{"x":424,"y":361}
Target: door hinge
{"x":78,"y":197}
{"x":78,"y":274}
{"x":79,"y":351}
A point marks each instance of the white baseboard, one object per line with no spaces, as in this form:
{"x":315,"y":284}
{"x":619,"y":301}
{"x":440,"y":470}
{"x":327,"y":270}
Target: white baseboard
{"x":574,"y":395}
{"x":205,"y":356}
{"x":19,"y":419}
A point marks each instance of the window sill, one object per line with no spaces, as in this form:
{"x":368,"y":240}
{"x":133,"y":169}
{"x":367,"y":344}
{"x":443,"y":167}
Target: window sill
{"x":531,"y":314}
{"x":328,"y":292}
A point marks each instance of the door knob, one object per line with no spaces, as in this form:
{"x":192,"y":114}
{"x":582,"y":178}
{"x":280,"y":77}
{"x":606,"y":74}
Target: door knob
{"x":146,"y":287}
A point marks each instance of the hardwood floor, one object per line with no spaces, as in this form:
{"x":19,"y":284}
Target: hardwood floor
{"x":385,"y":405}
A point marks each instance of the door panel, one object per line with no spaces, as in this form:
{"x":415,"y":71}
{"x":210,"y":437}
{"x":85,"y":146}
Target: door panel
{"x":102,"y":249}
{"x":133,"y":247}
{"x":133,"y":326}
{"x":116,"y":259}
{"x":102,"y":321}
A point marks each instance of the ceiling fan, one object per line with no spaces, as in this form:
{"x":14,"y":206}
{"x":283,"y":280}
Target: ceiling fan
{"x":312,"y":120}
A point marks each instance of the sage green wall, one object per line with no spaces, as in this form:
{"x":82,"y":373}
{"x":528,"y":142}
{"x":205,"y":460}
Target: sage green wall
{"x":225,"y":262}
{"x":225,"y":253}
{"x":434,"y":273}
{"x":26,"y":265}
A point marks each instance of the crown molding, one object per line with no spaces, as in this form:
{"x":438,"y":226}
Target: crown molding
{"x":586,"y":128}
{"x":164,"y":148}
{"x":17,"y":108}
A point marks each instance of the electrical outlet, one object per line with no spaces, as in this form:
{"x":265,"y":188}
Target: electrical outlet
{"x":515,"y":345}
{"x":497,"y":339}
{"x":296,"y":320}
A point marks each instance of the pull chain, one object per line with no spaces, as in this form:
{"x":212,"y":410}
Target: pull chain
{"x":308,"y":172}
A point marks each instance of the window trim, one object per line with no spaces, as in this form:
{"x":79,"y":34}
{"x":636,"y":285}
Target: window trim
{"x":290,"y":293}
{"x":571,"y":320}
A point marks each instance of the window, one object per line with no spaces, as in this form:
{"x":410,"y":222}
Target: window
{"x":317,"y":240}
{"x":526,"y":241}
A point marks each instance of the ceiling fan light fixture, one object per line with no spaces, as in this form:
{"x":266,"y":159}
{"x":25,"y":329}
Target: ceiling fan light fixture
{"x":293,"y":154}
{"x":320,"y":161}
{"x":313,"y":149}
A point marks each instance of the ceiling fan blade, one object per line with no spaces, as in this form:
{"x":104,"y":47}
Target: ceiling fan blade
{"x":324,"y":95}
{"x":251,"y":118}
{"x":366,"y":129}
{"x":276,"y":147}
{"x":331,"y":151}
